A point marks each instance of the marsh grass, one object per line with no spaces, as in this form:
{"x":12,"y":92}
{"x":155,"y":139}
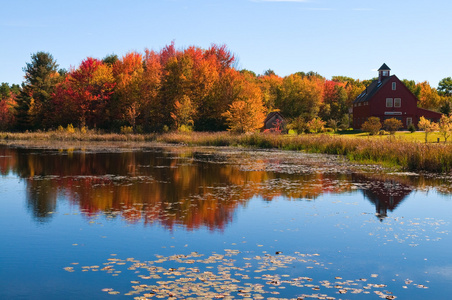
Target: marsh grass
{"x":76,"y":135}
{"x":409,"y":155}
{"x":397,"y":151}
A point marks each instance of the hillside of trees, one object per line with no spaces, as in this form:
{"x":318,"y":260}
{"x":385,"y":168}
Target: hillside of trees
{"x":181,"y":89}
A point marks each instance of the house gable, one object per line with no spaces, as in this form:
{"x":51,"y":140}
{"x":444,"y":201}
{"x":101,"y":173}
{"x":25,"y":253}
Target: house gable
{"x":380,"y":103}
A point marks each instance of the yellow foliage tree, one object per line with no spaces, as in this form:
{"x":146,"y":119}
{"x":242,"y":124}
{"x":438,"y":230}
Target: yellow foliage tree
{"x":445,"y":126}
{"x":246,"y":113}
{"x":183,"y":112}
{"x":427,"y":126}
{"x":428,"y":96}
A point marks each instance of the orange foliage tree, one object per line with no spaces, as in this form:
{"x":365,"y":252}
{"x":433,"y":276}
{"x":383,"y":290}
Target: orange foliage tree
{"x":128,"y":75}
{"x":246,"y":113}
{"x":428,"y":96}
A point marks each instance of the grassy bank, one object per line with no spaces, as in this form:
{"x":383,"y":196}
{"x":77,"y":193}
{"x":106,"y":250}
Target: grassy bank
{"x":409,"y":154}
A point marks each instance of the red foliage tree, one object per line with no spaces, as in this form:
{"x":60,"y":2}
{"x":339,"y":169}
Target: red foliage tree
{"x":85,"y":92}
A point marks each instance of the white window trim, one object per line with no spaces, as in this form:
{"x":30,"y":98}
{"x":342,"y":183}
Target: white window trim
{"x":389,"y":101}
{"x":400,"y":102}
{"x":394,"y":86}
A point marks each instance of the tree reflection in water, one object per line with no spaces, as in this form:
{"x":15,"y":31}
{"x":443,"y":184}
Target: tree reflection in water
{"x":189,"y":186}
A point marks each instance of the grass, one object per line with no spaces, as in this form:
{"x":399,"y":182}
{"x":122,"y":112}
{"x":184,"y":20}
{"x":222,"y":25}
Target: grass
{"x":90,"y":135}
{"x":404,"y":150}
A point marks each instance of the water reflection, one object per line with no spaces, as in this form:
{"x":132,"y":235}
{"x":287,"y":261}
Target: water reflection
{"x":187,"y":186}
{"x":384,"y":194}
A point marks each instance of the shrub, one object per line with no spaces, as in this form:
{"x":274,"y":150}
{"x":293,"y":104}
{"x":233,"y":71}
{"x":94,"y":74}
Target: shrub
{"x":298,"y":124}
{"x":70,"y":129}
{"x":330,"y":130}
{"x":345,"y":123}
{"x":185,"y":128}
{"x":126,"y":129}
{"x":372,"y":125}
{"x":333,"y":124}
{"x":412,"y":128}
{"x":316,"y":125}
{"x":392,"y":125}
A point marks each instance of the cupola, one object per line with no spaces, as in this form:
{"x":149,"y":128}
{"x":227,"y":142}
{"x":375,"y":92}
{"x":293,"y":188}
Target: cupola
{"x":383,"y":72}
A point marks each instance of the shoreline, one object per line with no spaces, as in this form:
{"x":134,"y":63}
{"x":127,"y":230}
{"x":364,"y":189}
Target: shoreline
{"x":409,"y":156}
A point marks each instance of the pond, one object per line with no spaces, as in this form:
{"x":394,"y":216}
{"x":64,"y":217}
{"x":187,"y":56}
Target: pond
{"x":92,"y":221}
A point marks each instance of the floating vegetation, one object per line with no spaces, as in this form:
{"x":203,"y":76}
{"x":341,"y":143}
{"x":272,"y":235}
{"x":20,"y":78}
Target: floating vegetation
{"x":233,"y":274}
{"x":410,"y":231}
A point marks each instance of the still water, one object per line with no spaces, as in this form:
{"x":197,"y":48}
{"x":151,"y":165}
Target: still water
{"x":91,"y":222}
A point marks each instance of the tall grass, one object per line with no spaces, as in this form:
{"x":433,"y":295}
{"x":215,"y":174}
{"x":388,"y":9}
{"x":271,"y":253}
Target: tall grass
{"x":77,"y":135}
{"x":408,"y":155}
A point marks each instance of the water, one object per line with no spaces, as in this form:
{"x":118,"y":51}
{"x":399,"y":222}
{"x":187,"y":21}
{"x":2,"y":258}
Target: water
{"x":91,"y":222}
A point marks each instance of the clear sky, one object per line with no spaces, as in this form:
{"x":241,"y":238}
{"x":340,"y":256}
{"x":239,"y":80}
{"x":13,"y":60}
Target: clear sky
{"x":331,"y":37}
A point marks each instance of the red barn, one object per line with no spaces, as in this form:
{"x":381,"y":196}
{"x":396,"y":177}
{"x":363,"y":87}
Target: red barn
{"x":387,"y":97}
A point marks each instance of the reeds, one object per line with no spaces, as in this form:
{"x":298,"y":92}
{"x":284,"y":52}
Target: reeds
{"x":408,"y":155}
{"x":77,"y":135}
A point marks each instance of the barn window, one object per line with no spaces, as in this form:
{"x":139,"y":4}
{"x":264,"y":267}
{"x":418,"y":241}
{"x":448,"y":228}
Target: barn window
{"x":393,"y":86}
{"x":388,"y":102}
{"x":397,"y":102}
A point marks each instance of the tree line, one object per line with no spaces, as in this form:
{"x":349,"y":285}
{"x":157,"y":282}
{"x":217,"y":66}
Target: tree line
{"x":181,"y":89}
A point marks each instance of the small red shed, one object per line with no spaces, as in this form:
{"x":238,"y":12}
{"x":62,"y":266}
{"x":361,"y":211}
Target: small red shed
{"x":274,"y":122}
{"x":387,"y":97}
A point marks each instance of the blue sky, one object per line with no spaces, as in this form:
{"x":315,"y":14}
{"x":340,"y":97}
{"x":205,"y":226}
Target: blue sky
{"x":332,"y":37}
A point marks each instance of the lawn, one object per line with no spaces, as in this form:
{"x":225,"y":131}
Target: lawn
{"x":418,"y":136}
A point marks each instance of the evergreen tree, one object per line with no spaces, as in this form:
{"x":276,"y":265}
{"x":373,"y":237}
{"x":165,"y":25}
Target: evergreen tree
{"x":24,"y":102}
{"x":41,"y":76}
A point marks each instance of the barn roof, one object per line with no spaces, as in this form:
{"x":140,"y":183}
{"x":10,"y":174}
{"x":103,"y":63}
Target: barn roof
{"x":371,"y":89}
{"x":271,"y":115}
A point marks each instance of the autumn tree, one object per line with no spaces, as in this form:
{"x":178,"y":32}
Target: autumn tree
{"x":7,"y":105}
{"x":128,"y":75}
{"x":85,"y":93}
{"x":428,"y":96}
{"x":372,"y":125}
{"x":316,"y":125}
{"x":151,"y":110}
{"x":335,"y":101}
{"x":270,"y":85}
{"x":392,"y":125}
{"x":300,"y":96}
{"x":427,"y":126}
{"x":183,"y":113}
{"x":246,"y":113}
{"x":445,"y":126}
